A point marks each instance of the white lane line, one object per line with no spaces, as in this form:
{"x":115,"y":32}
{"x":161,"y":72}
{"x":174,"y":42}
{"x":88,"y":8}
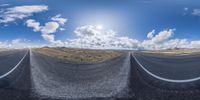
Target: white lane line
{"x":6,"y":74}
{"x":165,"y":79}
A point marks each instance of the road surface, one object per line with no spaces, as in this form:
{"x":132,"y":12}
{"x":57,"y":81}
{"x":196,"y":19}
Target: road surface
{"x":9,"y":59}
{"x":182,"y":67}
{"x":40,"y":77}
{"x":60,"y":79}
{"x":15,"y":81}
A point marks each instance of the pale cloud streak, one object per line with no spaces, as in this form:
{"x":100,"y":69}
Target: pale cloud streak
{"x":4,"y":5}
{"x":150,"y":35}
{"x":18,"y":43}
{"x":20,"y":12}
{"x":196,"y":12}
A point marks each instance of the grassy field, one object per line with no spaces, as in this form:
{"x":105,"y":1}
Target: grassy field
{"x":3,"y":49}
{"x":80,"y":55}
{"x":175,"y":51}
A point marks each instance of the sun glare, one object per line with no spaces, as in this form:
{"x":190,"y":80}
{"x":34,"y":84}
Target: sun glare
{"x":99,"y":27}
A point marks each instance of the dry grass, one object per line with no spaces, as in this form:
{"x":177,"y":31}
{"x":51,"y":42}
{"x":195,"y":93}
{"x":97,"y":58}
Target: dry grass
{"x":80,"y":55}
{"x":175,"y":52}
{"x":3,"y":49}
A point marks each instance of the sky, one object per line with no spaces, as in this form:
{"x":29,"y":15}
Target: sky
{"x":100,"y":24}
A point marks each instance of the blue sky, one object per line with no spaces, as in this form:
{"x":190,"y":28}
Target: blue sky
{"x":129,"y":19}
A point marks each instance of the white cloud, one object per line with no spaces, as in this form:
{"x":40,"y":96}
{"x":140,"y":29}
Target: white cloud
{"x":127,"y":43}
{"x":195,"y":44}
{"x":93,"y":30}
{"x":18,"y":44}
{"x":48,"y":29}
{"x":162,"y":41}
{"x":163,"y":36}
{"x":61,"y":29}
{"x":20,"y":12}
{"x":157,"y":41}
{"x":4,"y":45}
{"x":106,"y":39}
{"x":196,"y":12}
{"x":59,"y":19}
{"x":186,"y":9}
{"x":90,"y":36}
{"x":151,"y":34}
{"x":35,"y":25}
{"x":48,"y":37}
{"x":3,"y":5}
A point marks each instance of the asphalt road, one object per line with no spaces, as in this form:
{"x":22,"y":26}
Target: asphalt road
{"x":15,"y":84}
{"x":41,"y":77}
{"x":9,"y":59}
{"x":182,"y":67}
{"x":56,"y":78}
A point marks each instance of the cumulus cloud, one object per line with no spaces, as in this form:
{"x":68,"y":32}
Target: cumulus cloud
{"x":93,"y":30}
{"x":91,"y":36}
{"x":163,"y":36}
{"x":59,"y":19}
{"x":35,"y":25}
{"x":155,"y":42}
{"x":48,"y":28}
{"x":164,"y":40}
{"x":20,"y":12}
{"x":195,"y":44}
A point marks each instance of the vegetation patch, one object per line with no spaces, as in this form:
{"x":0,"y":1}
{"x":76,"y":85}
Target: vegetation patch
{"x":175,"y":51}
{"x":80,"y":55}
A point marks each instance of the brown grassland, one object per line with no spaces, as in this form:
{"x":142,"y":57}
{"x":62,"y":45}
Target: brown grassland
{"x":184,"y":51}
{"x":80,"y":55}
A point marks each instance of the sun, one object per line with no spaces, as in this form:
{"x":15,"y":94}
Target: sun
{"x":99,"y":27}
